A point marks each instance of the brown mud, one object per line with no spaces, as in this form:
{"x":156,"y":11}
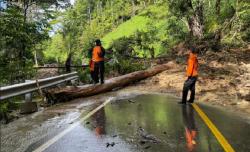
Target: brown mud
{"x":224,"y":78}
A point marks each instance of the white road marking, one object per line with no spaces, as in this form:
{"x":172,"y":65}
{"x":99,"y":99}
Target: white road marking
{"x":60,"y":135}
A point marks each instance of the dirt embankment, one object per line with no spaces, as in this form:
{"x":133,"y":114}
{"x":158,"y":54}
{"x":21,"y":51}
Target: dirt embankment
{"x":224,"y":78}
{"x":47,"y":72}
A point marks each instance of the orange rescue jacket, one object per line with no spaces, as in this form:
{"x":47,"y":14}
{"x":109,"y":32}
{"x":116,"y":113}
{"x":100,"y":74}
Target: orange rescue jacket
{"x":96,"y":57}
{"x":192,"y":68}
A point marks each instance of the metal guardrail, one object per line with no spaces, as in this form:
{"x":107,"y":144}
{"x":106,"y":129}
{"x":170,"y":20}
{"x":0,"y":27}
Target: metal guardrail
{"x":60,"y":67}
{"x":22,"y":88}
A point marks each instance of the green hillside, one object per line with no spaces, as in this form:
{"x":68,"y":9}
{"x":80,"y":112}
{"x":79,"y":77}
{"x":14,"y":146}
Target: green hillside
{"x":126,"y":29}
{"x":154,"y":26}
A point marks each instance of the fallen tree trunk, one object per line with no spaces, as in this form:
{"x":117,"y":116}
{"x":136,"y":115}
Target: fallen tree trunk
{"x":68,"y":94}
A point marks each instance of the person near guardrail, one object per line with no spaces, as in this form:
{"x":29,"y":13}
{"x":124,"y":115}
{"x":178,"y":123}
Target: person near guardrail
{"x":98,"y":53}
{"x":68,"y":63}
{"x":91,"y":65}
{"x":192,"y":74}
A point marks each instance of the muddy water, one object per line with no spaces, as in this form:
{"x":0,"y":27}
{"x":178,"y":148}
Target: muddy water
{"x":149,"y":123}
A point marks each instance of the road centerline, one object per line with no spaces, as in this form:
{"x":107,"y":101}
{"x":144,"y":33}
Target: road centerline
{"x":70,"y":128}
{"x":222,"y":140}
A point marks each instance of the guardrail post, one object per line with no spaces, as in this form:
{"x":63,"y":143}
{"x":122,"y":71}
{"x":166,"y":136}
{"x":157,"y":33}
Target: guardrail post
{"x":28,"y":106}
{"x":28,"y":96}
{"x":73,"y":82}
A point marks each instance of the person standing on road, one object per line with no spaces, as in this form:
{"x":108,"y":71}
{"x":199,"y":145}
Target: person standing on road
{"x":192,"y":73}
{"x":98,"y":53}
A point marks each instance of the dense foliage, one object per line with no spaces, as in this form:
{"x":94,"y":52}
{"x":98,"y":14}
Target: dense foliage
{"x":151,"y":27}
{"x":23,"y":26}
{"x":130,"y":28}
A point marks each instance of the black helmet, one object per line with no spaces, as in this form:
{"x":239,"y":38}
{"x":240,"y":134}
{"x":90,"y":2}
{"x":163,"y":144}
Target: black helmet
{"x":193,"y":49}
{"x":98,"y":42}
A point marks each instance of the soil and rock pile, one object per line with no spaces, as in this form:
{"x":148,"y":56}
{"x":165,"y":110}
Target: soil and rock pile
{"x":224,"y":78}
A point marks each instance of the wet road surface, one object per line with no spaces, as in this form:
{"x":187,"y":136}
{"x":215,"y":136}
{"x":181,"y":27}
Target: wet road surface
{"x":151,"y":123}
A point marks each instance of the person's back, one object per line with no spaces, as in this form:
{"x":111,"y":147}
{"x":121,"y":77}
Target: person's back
{"x":192,"y":65}
{"x":98,"y":54}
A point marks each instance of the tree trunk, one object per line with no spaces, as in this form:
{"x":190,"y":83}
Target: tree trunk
{"x":76,"y":92}
{"x":89,"y":14}
{"x":25,"y":9}
{"x":35,"y":58}
{"x":152,"y":52}
{"x":195,"y":26}
{"x":195,"y":21}
{"x":144,"y":4}
{"x":133,"y":8}
{"x":217,"y":7}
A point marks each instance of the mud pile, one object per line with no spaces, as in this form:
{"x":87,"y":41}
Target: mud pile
{"x":224,"y":78}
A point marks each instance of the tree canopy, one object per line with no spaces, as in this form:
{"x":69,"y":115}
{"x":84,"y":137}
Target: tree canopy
{"x":47,"y":31}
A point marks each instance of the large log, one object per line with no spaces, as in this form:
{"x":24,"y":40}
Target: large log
{"x":67,"y":94}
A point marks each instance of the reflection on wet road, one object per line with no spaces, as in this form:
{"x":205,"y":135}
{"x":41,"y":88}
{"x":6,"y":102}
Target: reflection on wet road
{"x":149,"y":123}
{"x":190,"y":128}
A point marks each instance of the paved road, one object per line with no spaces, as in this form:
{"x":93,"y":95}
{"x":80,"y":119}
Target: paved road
{"x":149,"y":123}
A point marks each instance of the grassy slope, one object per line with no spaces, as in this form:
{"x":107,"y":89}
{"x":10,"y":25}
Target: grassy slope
{"x":138,"y":22}
{"x":126,"y":29}
{"x":155,"y":14}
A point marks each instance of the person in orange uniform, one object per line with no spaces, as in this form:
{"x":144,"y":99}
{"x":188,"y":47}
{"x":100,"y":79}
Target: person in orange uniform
{"x":192,"y":73}
{"x":98,"y":54}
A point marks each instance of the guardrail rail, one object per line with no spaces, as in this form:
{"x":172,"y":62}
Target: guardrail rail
{"x":23,"y":88}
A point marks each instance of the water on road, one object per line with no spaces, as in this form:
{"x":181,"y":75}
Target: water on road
{"x":152,"y":123}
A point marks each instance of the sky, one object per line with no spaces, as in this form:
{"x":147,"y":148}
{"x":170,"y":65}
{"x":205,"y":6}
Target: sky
{"x":72,"y":2}
{"x":2,"y":4}
{"x":58,"y":26}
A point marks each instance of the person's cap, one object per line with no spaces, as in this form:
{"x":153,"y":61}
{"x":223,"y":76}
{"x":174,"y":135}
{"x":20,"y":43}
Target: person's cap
{"x":192,"y":48}
{"x":98,"y":41}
